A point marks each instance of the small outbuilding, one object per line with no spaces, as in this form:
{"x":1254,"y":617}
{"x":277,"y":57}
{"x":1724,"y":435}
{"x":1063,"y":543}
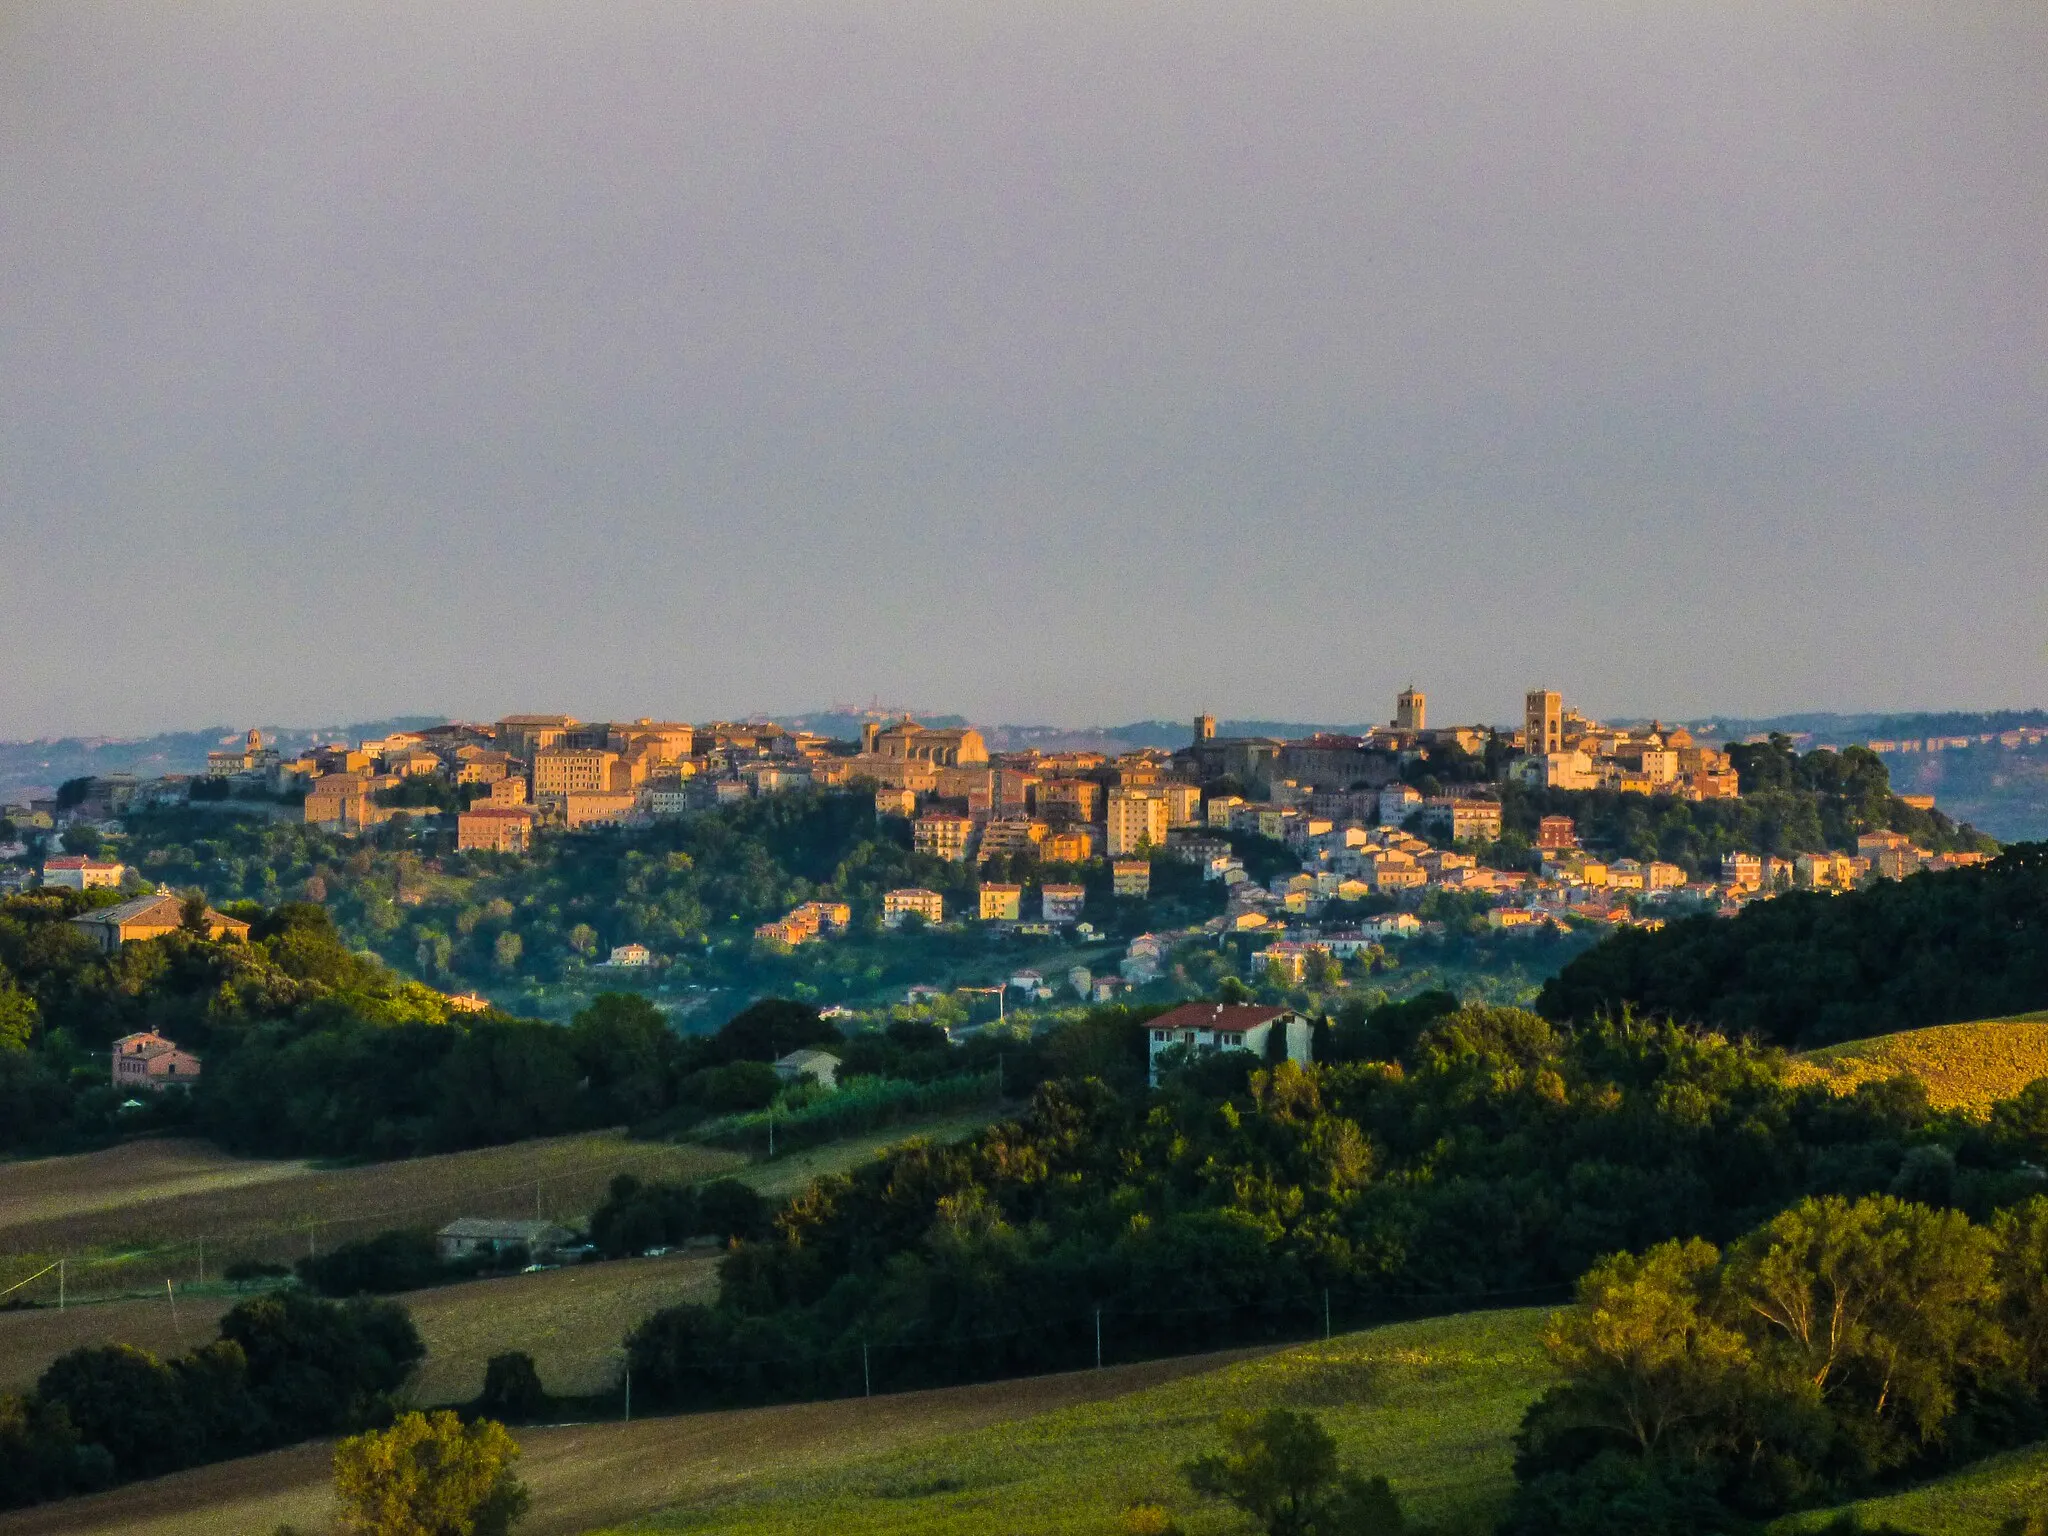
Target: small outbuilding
{"x":469,"y":1237}
{"x":821,"y":1067}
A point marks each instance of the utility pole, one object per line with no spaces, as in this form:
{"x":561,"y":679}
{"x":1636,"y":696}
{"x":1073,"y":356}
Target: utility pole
{"x":629,"y":1391}
{"x":1326,"y":1312}
{"x":202,"y":1261}
{"x":867,"y":1382}
{"x":771,"y":1130}
{"x":60,"y":1285}
{"x":1098,"y":1338}
{"x":173,"y":1297}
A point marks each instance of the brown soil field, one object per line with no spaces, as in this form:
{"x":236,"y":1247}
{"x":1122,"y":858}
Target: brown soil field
{"x":55,"y":1189}
{"x":570,"y":1320}
{"x":583,"y":1476}
{"x":135,"y":1215}
{"x":146,"y":1238}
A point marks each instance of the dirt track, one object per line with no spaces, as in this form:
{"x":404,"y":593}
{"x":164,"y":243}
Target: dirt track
{"x":591,"y":1475}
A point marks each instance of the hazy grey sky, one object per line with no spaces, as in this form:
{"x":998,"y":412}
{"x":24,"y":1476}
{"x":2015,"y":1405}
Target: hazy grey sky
{"x":1068,"y":362}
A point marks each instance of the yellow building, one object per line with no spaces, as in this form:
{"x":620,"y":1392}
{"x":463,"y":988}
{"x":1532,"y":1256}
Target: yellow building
{"x":658,"y":741}
{"x":1001,"y":903}
{"x":907,"y":741}
{"x":572,"y":770}
{"x":943,"y":837}
{"x":1136,"y":819}
{"x":597,"y":807}
{"x":895,"y":802}
{"x":1131,"y":877}
{"x":1010,"y":836}
{"x":1070,"y":845}
{"x":495,"y":829}
{"x":151,"y":917}
{"x":525,"y":735}
{"x":1069,"y":799}
{"x":912,"y":901}
{"x":1183,"y":804}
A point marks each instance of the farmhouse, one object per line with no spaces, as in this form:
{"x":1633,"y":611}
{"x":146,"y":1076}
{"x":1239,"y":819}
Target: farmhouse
{"x":1227,"y":1027}
{"x":151,"y":917}
{"x":470,"y":1237}
{"x":821,"y":1067}
{"x":148,"y":1060}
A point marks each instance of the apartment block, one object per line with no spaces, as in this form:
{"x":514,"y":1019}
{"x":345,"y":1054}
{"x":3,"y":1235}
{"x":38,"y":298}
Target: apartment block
{"x":1137,"y":818}
{"x":1061,"y":903}
{"x":1001,"y":903}
{"x":943,"y":837}
{"x":1131,"y":877}
{"x":912,"y":901}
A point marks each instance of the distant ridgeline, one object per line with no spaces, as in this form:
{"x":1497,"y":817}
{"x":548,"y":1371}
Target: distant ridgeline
{"x":1805,"y":969}
{"x":44,"y":765}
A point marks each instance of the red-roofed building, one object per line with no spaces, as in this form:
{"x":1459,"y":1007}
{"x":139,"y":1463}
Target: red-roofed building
{"x":1227,"y":1027}
{"x":81,"y":873}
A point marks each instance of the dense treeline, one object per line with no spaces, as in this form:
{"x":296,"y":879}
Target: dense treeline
{"x":312,"y":1049}
{"x":1440,"y":1157}
{"x":285,"y":1368}
{"x":1836,"y":1348}
{"x":1804,"y":969}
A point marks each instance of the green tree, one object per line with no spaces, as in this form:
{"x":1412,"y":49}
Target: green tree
{"x":1281,"y":1469}
{"x":18,"y":1017}
{"x":507,"y":949}
{"x":512,"y":1390}
{"x":429,"y":1475}
{"x":1645,"y":1360}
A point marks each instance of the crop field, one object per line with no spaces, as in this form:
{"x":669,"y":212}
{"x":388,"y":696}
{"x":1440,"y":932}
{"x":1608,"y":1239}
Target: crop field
{"x":210,"y":1210}
{"x":1431,"y":1404}
{"x":133,"y":1216}
{"x":1965,"y":1066}
{"x":591,"y":1476}
{"x":1977,"y":1501}
{"x":570,"y":1320}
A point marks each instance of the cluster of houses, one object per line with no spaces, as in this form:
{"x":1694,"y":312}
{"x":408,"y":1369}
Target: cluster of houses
{"x":1338,"y":803}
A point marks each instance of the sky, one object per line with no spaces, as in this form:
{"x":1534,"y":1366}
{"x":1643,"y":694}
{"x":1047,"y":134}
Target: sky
{"x":1037,"y":362}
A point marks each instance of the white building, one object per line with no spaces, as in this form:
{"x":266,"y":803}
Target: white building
{"x":1227,"y":1027}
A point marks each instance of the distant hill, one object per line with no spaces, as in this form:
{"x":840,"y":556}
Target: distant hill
{"x":38,"y":767}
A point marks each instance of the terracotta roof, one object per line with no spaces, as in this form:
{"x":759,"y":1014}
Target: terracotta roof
{"x":1232,"y":1017}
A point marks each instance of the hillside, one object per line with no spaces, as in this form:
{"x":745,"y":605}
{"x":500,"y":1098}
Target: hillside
{"x":131,"y":1216}
{"x":1431,"y":1403}
{"x":1978,"y":1501}
{"x":1804,"y":969}
{"x":1965,"y":1066}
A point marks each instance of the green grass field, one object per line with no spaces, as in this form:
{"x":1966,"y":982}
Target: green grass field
{"x":1431,"y":1404}
{"x":1974,"y":1502}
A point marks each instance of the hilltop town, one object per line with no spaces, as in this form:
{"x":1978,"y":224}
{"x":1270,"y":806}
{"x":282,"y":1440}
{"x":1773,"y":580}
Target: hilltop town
{"x":1321,"y":849}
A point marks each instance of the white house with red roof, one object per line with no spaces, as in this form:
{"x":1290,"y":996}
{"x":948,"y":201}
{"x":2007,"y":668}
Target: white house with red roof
{"x":1227,"y":1027}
